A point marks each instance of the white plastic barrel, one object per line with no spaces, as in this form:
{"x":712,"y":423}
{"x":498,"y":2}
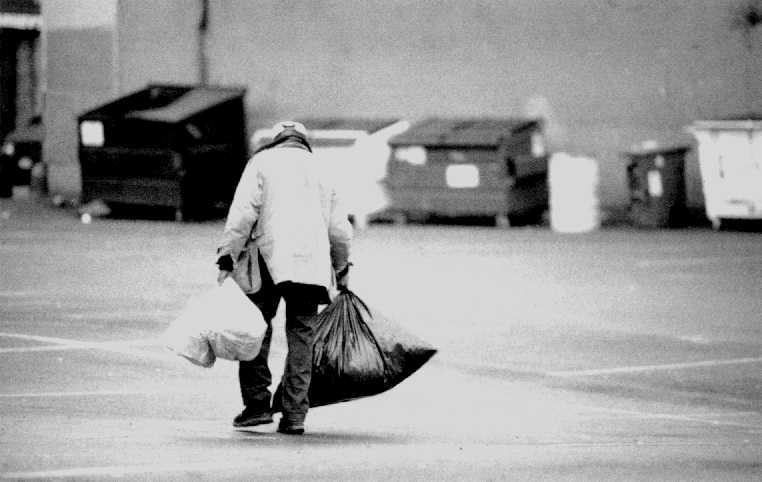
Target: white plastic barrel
{"x":574,"y":203}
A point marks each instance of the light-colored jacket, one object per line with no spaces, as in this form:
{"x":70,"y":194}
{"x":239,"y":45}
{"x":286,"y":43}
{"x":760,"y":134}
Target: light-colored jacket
{"x":286,"y":208}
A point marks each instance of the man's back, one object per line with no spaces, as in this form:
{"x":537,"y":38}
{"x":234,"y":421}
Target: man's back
{"x":299,"y":217}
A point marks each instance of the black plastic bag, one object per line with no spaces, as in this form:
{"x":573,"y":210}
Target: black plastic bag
{"x":358,"y":352}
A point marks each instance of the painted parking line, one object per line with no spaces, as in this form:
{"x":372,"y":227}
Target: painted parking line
{"x":73,"y":342}
{"x":695,"y":261}
{"x":599,"y":371}
{"x":649,"y":368}
{"x":30,"y":349}
{"x":424,"y":458}
{"x":125,"y":347}
{"x":20,"y":293}
{"x":121,"y":471}
{"x":100,"y":393}
{"x":119,"y":315}
{"x":713,"y":419}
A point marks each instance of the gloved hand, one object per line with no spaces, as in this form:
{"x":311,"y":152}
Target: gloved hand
{"x":342,"y":278}
{"x":225,"y":264}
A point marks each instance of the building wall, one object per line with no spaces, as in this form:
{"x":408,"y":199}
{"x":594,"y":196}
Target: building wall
{"x":157,"y":42}
{"x":605,"y":75}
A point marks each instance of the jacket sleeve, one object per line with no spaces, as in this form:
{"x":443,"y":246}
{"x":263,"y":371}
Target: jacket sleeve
{"x":340,"y":233}
{"x":243,"y":212}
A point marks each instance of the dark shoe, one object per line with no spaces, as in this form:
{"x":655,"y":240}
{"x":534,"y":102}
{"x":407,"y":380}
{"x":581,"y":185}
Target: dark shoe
{"x":250,"y":417}
{"x":290,"y":428}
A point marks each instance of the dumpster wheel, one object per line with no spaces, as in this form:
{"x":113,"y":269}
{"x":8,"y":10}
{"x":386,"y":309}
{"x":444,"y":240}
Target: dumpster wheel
{"x":502,"y":220}
{"x":400,"y":218}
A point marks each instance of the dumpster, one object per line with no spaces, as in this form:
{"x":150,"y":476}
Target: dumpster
{"x":7,"y":173}
{"x":356,"y":151}
{"x":173,"y":146}
{"x":656,"y":179}
{"x":22,"y":150}
{"x":468,"y":167}
{"x":730,"y":162}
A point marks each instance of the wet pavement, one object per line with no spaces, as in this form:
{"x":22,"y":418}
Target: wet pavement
{"x":621,"y":354}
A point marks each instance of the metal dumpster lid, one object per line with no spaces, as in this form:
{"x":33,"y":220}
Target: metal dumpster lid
{"x":462,"y":131}
{"x":188,"y":104}
{"x":657,"y":150}
{"x":748,"y":121}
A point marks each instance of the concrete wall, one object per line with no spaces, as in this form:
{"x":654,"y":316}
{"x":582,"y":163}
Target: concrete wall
{"x":605,"y":74}
{"x":157,"y":42}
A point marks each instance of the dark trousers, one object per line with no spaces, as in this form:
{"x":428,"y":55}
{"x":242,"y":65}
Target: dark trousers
{"x":254,"y":376}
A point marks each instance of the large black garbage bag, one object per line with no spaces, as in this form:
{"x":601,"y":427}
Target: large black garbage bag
{"x":358,"y":352}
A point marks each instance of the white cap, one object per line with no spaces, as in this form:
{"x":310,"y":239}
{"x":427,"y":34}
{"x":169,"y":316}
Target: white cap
{"x":289,"y":125}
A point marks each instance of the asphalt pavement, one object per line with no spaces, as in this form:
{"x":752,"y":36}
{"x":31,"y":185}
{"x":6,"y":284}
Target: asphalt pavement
{"x":625,"y":353}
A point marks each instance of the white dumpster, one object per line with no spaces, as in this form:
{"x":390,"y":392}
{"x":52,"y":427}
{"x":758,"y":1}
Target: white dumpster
{"x":357,"y":152}
{"x":730,"y":161}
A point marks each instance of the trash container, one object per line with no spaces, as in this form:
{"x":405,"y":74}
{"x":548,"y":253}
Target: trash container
{"x":38,"y":179}
{"x":730,"y":162}
{"x":656,"y":179}
{"x":469,"y":167}
{"x":23,"y":146}
{"x":356,"y":150}
{"x":181,"y":147}
{"x":574,"y":203}
{"x":6,"y":173}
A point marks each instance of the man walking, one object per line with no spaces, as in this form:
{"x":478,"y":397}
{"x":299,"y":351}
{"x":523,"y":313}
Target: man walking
{"x":287,"y":236}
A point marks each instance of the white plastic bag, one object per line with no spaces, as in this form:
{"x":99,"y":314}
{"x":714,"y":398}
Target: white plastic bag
{"x":221,"y":323}
{"x":187,"y":339}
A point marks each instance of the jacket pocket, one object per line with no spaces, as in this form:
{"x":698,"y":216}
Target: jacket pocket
{"x":246,"y":272}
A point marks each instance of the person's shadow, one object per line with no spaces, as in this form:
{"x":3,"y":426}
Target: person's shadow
{"x":318,"y":438}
